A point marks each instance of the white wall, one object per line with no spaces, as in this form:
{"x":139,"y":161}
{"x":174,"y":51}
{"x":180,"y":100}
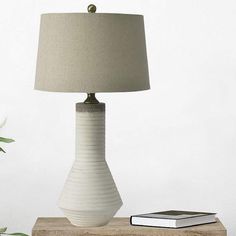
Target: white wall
{"x":170,"y":147}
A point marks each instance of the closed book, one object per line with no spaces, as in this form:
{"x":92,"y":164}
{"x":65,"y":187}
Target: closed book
{"x":173,"y":219}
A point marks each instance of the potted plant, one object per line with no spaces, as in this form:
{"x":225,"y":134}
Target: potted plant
{"x":7,"y":140}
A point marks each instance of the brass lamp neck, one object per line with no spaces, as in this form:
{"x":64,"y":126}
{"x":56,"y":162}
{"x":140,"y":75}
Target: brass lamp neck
{"x":91,"y":99}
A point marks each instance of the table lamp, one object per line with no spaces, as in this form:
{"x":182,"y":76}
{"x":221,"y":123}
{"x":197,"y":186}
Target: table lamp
{"x":89,"y":53}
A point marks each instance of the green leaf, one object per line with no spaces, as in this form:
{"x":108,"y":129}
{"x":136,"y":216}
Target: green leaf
{"x":2,"y":230}
{"x":17,"y":234}
{"x":6,"y":140}
{"x":1,"y":150}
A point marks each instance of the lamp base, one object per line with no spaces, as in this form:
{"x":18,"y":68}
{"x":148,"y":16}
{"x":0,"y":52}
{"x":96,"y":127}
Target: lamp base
{"x":88,"y":219}
{"x":90,"y":197}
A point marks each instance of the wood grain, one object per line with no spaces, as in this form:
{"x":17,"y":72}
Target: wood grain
{"x":121,"y":227}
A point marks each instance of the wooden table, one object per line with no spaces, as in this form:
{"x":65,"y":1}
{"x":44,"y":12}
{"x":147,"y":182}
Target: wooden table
{"x":121,"y":227}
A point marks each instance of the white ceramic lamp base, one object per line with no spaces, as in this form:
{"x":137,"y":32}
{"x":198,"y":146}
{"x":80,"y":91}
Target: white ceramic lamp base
{"x":90,"y":197}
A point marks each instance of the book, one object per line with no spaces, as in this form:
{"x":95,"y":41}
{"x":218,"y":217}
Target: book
{"x":173,"y":219}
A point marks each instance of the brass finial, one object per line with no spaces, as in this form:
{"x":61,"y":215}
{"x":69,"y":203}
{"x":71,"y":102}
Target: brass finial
{"x":92,"y":8}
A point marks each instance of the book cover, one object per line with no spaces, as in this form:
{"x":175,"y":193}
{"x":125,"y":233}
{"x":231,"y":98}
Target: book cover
{"x":173,"y":219}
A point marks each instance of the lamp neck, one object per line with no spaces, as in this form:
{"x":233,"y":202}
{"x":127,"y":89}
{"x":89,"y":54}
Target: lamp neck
{"x":91,"y":99}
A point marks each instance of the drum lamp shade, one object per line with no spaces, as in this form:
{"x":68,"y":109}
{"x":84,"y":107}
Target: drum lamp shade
{"x":90,"y":53}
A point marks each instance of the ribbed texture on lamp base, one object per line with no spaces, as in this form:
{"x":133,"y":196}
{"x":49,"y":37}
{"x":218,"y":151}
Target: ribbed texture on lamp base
{"x":90,"y":197}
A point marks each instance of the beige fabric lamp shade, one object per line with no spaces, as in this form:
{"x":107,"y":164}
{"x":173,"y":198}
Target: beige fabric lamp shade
{"x":83,"y":52}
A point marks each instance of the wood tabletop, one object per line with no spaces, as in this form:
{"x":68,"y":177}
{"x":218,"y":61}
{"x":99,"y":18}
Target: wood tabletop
{"x":121,"y":227}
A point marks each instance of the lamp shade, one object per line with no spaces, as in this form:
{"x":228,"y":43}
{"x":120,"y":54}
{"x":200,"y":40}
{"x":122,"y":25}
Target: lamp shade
{"x":84,"y":52}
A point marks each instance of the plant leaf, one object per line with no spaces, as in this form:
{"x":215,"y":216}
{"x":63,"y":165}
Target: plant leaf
{"x":1,"y":150}
{"x":6,"y":140}
{"x":17,"y":234}
{"x":2,"y":230}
